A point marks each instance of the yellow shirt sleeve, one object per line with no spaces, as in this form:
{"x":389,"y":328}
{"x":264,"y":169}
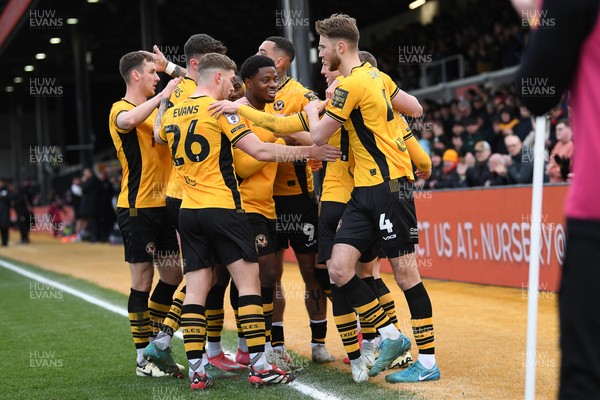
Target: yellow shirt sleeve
{"x":293,"y":123}
{"x":344,"y":99}
{"x":389,"y":84}
{"x":117,"y":109}
{"x":233,"y":127}
{"x":417,"y":155}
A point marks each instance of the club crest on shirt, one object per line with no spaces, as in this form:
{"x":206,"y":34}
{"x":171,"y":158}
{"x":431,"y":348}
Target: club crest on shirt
{"x":232,"y":118}
{"x":400,"y":143}
{"x":278,"y":105}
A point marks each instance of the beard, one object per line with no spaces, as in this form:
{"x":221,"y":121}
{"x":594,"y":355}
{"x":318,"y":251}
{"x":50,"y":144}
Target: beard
{"x":224,"y":93}
{"x":334,"y":63}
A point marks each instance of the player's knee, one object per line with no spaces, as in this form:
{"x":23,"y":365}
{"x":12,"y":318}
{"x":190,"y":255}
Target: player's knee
{"x":339,"y":274}
{"x":141,"y":276}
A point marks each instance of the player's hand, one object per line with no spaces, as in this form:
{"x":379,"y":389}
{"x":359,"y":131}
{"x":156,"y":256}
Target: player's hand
{"x":325,"y":152}
{"x":315,"y":106}
{"x":424,"y":174}
{"x":166,"y":92}
{"x":220,"y":107}
{"x":315,"y":165}
{"x":331,"y":89}
{"x":159,"y":58}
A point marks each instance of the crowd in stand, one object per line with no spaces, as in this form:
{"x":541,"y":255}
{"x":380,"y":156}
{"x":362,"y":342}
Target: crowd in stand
{"x":486,"y":138}
{"x":484,"y":46}
{"x":468,"y":32}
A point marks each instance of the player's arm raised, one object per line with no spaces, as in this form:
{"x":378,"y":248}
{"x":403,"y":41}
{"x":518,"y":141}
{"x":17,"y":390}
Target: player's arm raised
{"x":164,"y":65}
{"x":164,"y":105}
{"x":128,"y":120}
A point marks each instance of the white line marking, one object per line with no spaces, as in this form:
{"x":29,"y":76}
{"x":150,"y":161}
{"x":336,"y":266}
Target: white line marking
{"x":301,"y":387}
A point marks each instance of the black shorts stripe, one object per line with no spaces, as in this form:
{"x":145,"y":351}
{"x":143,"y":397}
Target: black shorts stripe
{"x":133,"y":155}
{"x":367,"y":139}
{"x":226,"y":168}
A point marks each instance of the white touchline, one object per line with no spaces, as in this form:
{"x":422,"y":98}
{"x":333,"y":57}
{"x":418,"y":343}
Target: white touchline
{"x":301,"y":387}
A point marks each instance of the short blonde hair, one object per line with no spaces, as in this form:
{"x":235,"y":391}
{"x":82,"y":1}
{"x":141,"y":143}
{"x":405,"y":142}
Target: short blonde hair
{"x":215,"y":61}
{"x":339,"y":26}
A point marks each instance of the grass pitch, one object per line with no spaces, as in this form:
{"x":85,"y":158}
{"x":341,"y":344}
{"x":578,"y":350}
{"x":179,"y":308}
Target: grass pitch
{"x":57,"y":346}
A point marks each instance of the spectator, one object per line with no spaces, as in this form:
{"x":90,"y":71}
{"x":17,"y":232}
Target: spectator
{"x":426,"y":140}
{"x":478,"y":174}
{"x":473,"y":135}
{"x":497,"y":166}
{"x":446,"y":118}
{"x":440,"y":139}
{"x":55,"y":211}
{"x":436,"y":169}
{"x":479,"y":110}
{"x":76,"y":194}
{"x":450,"y":177}
{"x":497,"y":141}
{"x":520,"y":169}
{"x":507,"y":121}
{"x":4,"y":212}
{"x":524,"y":127}
{"x":464,"y":109}
{"x":91,"y":188}
{"x":559,"y":167}
{"x":106,"y":213}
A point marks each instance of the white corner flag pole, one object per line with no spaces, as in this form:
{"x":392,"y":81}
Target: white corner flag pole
{"x":534,"y":255}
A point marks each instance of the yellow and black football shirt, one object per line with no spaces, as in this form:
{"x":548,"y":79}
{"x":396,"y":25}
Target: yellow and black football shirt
{"x":362,"y":104}
{"x":201,"y":147}
{"x":293,"y":178}
{"x":257,"y":177}
{"x":185,"y":89}
{"x":339,"y":174}
{"x":145,"y":165}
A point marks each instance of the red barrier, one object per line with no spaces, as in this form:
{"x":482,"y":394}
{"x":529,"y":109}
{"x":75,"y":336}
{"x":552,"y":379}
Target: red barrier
{"x":482,"y":236}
